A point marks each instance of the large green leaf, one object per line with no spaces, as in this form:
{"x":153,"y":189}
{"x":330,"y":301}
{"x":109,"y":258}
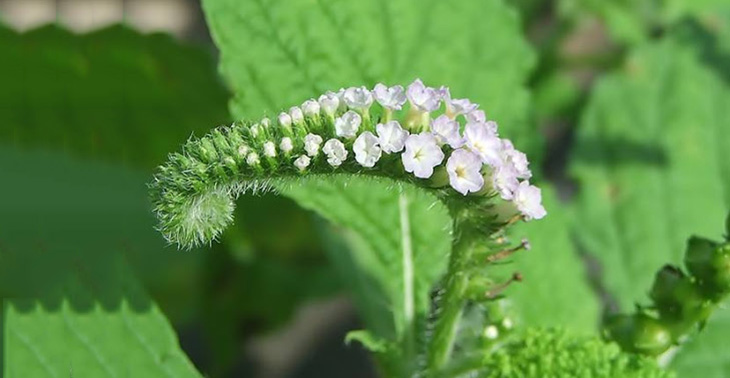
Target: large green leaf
{"x":651,"y":160}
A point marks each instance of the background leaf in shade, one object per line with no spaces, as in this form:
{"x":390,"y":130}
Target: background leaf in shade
{"x":650,"y":160}
{"x":113,"y":93}
{"x":68,"y":235}
{"x":124,"y":97}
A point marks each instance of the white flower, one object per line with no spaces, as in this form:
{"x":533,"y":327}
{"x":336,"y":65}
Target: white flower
{"x":335,"y":151}
{"x":329,"y":102}
{"x":528,"y":200}
{"x":391,"y":136}
{"x":269,"y":149}
{"x":446,"y":131}
{"x":310,"y":108}
{"x":422,"y":154}
{"x":347,"y":125}
{"x":491,"y":332}
{"x":367,"y":149}
{"x":392,"y":98}
{"x":504,"y":180}
{"x":255,"y":129}
{"x":286,"y":145}
{"x":243,"y":150}
{"x":425,"y":99}
{"x":484,"y":143}
{"x":252,"y":158}
{"x":464,"y":168}
{"x":358,"y":98}
{"x":284,"y":119}
{"x":312,"y":143}
{"x":457,"y":106}
{"x":265,"y":122}
{"x":476,"y":116}
{"x":507,"y":323}
{"x":302,"y":162}
{"x":515,"y":159}
{"x":296,"y":115}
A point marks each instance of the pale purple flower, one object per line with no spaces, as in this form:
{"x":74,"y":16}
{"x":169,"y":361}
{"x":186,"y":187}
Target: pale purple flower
{"x":423,"y":98}
{"x":504,"y":180}
{"x":457,"y":106}
{"x":392,"y":98}
{"x":312,"y":143}
{"x":446,"y":131}
{"x":358,"y":98}
{"x":422,"y":154}
{"x":329,"y":102}
{"x":476,"y":116}
{"x":367,"y":149}
{"x":347,"y":125}
{"x":528,"y":200}
{"x":484,"y":143}
{"x":515,"y":159}
{"x":465,"y":171}
{"x":391,"y":136}
{"x":335,"y":151}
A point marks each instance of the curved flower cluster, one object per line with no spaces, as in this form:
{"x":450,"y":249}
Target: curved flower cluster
{"x":457,"y":141}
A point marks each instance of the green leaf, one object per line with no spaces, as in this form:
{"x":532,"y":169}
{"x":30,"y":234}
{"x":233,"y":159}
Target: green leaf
{"x":651,"y":160}
{"x":555,"y":290}
{"x":57,"y":338}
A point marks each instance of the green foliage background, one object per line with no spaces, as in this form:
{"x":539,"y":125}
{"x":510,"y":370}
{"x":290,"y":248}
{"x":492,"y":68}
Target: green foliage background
{"x":84,"y":119}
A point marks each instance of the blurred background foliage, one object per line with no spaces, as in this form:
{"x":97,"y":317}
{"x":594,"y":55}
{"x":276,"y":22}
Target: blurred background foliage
{"x":621,"y":106}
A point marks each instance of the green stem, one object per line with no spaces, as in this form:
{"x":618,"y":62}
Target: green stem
{"x":452,"y":300}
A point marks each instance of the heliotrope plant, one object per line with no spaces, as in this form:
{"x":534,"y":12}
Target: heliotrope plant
{"x":454,"y":150}
{"x":418,"y":135}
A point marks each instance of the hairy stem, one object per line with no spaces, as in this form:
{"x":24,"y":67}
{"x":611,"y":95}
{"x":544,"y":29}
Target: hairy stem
{"x":451,"y":304}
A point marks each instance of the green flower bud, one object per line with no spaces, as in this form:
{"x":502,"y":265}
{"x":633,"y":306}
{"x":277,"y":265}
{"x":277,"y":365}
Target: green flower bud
{"x":678,"y":300}
{"x":674,"y":294}
{"x":709,"y":263}
{"x":639,"y":333}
